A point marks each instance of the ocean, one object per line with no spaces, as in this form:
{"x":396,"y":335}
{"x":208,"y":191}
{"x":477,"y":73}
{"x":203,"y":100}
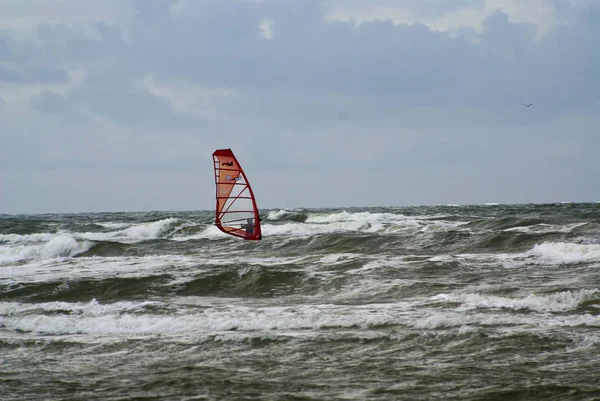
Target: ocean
{"x":484,"y":302}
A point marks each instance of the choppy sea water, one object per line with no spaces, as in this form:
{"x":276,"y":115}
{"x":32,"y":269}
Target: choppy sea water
{"x":490,"y":302}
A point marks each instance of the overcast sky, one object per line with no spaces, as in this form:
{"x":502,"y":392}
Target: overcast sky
{"x":117,"y":105}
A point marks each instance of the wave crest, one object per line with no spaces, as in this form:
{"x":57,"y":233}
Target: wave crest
{"x":565,"y":252}
{"x":60,"y":246}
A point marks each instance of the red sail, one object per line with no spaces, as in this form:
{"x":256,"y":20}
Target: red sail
{"x":236,"y":212}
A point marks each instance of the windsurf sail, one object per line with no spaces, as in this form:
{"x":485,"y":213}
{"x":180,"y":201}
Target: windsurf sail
{"x":236,"y":212}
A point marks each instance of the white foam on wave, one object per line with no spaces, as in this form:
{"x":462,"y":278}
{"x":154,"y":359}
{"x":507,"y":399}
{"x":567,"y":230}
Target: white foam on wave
{"x":26,"y":238}
{"x":503,"y":324}
{"x":380,"y":262}
{"x":340,"y":222}
{"x":135,"y":233}
{"x":338,"y":258}
{"x":380,"y":218}
{"x":93,"y":308}
{"x":310,"y":229}
{"x":566,"y":252}
{"x":439,"y":320}
{"x":113,"y":225}
{"x":545,"y":228}
{"x":131,"y":233}
{"x":547,"y":253}
{"x":484,"y":260}
{"x":207,"y":321}
{"x":282,"y":213}
{"x":442,"y":258}
{"x":556,"y":302}
{"x":366,"y":221}
{"x":293,"y":230}
{"x":59,"y":246}
{"x":181,"y":268}
{"x":211,"y":232}
{"x":63,"y":244}
{"x":590,"y":340}
{"x":95,"y":267}
{"x":346,"y":216}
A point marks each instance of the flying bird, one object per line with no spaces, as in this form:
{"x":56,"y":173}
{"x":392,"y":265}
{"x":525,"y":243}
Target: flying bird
{"x":529,"y":105}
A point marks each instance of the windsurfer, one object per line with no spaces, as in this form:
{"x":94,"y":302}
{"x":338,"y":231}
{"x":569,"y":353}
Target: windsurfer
{"x":249,"y":227}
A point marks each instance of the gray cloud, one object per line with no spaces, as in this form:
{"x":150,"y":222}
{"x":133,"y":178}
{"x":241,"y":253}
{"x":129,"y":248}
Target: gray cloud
{"x":32,"y":75}
{"x":50,"y":102}
{"x":440,"y":115}
{"x":118,"y":97}
{"x":375,"y":58}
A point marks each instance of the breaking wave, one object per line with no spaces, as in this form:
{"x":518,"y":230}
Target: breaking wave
{"x":58,"y":246}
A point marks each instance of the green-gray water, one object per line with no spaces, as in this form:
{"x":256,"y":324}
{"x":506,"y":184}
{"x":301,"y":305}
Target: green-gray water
{"x":490,"y":302}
